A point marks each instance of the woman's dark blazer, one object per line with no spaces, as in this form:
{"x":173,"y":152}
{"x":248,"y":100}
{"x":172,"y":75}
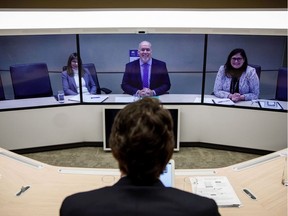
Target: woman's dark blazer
{"x":69,"y":84}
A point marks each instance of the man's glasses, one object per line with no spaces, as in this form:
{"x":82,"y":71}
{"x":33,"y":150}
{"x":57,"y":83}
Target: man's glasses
{"x":145,"y":49}
{"x":236,"y":59}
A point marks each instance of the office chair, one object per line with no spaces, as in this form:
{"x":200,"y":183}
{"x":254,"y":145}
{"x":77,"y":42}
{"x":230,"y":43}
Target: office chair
{"x":257,"y":68}
{"x":91,"y":68}
{"x":30,"y":80}
{"x":2,"y":95}
{"x":281,"y":88}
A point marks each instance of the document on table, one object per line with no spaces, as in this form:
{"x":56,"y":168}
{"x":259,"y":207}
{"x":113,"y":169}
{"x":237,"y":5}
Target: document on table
{"x":217,"y":188}
{"x":125,"y":99}
{"x":129,"y":99}
{"x":269,"y":104}
{"x":89,"y":98}
{"x":224,"y":101}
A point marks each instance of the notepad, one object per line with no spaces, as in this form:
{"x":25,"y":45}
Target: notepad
{"x":206,"y":100}
{"x":89,"y":98}
{"x":268,"y":104}
{"x":223,"y":101}
{"x":125,"y":99}
{"x":217,"y":188}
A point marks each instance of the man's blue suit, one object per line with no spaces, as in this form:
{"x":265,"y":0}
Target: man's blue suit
{"x":126,"y":199}
{"x":159,"y":80}
{"x":69,"y":84}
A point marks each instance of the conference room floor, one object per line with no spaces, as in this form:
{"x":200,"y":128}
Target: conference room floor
{"x":96,"y":157}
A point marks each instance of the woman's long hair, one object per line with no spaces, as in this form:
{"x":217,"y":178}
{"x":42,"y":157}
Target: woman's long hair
{"x":69,"y":68}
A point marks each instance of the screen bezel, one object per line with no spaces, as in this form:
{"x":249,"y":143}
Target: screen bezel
{"x":106,"y":131}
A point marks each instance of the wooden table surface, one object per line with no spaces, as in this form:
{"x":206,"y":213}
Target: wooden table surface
{"x":49,"y":185}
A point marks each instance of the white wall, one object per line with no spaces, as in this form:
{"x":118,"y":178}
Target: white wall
{"x":199,"y":123}
{"x":228,"y":126}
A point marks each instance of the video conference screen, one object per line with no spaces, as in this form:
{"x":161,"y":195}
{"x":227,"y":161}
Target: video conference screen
{"x":109,"y":115}
{"x":192,"y":62}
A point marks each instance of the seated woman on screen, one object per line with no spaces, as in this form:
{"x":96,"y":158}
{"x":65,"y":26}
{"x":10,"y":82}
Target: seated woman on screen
{"x":236,"y":80}
{"x":70,"y":78}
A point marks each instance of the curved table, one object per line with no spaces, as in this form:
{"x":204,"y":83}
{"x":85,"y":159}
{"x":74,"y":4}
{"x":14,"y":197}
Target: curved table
{"x":49,"y":185}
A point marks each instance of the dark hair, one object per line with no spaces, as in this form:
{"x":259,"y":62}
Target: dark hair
{"x":142,"y":140}
{"x":229,"y":68}
{"x":70,"y":59}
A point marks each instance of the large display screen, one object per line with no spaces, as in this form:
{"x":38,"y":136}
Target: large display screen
{"x":109,"y":115}
{"x":192,"y":62}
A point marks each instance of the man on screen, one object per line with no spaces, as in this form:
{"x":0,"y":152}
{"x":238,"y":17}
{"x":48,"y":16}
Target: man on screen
{"x":146,"y":76}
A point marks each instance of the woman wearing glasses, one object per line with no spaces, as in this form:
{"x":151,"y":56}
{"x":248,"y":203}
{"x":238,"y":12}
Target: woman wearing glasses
{"x":236,"y":80}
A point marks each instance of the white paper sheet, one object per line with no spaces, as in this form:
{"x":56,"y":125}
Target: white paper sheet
{"x":223,"y":101}
{"x":217,"y":188}
{"x":269,"y":104}
{"x":89,"y":98}
{"x":125,"y":99}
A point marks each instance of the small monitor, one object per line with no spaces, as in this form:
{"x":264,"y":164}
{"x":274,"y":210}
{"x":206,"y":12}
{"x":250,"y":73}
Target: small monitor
{"x":109,"y":115}
{"x":167,"y":177}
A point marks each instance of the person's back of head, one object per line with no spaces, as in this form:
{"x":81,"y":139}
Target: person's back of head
{"x":142,"y":140}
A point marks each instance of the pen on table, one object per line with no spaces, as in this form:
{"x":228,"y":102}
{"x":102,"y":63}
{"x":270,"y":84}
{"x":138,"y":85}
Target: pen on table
{"x":22,"y":190}
{"x":228,"y":206}
{"x":249,"y":193}
{"x":95,"y":97}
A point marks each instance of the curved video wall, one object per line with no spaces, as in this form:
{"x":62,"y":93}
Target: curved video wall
{"x":31,"y":68}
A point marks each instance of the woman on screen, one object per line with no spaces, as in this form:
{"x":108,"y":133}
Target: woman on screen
{"x":70,"y":78}
{"x":236,"y":80}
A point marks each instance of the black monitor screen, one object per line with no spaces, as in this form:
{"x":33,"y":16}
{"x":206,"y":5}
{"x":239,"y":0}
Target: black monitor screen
{"x":110,"y":114}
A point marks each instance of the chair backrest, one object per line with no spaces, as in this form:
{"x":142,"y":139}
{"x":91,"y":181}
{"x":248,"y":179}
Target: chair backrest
{"x":281,"y":88}
{"x":30,"y":80}
{"x":91,"y":68}
{"x":257,"y":68}
{"x":2,"y":95}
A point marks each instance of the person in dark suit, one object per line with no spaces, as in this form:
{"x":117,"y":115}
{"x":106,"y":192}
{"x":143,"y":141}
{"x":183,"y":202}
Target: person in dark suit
{"x":70,"y":78}
{"x":142,"y":142}
{"x":157,"y":81}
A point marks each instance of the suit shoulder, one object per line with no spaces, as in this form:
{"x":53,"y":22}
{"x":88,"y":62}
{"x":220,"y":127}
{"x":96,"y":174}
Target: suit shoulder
{"x":157,"y":61}
{"x":135,"y":62}
{"x":64,"y":73}
{"x":250,"y":69}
